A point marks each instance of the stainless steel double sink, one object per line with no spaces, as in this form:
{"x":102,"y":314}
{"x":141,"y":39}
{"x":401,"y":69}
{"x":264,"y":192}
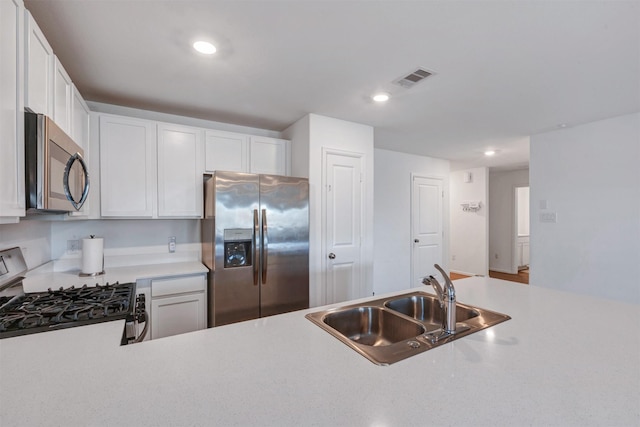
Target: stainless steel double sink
{"x":391,"y":329}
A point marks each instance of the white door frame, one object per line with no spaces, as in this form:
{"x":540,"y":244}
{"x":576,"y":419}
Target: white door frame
{"x":444,"y":256}
{"x":514,"y":228}
{"x":323,"y":206}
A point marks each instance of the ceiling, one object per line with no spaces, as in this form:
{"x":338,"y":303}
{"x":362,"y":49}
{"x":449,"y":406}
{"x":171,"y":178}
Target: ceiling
{"x":504,"y":70}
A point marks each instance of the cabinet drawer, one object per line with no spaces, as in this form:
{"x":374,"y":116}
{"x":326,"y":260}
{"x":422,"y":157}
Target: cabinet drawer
{"x":179,"y":285}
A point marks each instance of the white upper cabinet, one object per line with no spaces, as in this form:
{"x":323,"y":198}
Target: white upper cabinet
{"x":236,"y":152}
{"x":12,"y":106}
{"x":62,"y":97}
{"x":127,"y":167}
{"x":79,"y":132}
{"x":79,"y":120}
{"x":180,"y":169}
{"x":226,"y":151}
{"x":39,"y":65}
{"x":269,"y":156}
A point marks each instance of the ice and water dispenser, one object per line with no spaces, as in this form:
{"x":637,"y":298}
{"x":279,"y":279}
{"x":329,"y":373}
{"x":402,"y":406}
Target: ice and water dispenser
{"x":237,"y":247}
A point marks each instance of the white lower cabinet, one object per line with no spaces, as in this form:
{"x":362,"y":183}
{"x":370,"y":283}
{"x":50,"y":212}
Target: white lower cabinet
{"x":523,"y":251}
{"x":178,"y":305}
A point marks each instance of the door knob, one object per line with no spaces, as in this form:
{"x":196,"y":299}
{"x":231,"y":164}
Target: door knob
{"x":332,"y":256}
{"x":416,"y":240}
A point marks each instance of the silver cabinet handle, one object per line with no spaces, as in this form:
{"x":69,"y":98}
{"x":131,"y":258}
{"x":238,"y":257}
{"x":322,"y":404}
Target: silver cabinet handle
{"x":332,"y":256}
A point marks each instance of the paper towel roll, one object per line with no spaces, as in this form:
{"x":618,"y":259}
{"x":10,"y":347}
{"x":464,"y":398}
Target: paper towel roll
{"x":92,"y":255}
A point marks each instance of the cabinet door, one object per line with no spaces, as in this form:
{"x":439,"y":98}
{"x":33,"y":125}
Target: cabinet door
{"x":38,"y":69}
{"x":127,"y":167}
{"x":179,"y":171}
{"x":178,"y":314}
{"x":80,"y":134}
{"x":79,"y":130}
{"x":269,"y":155}
{"x":62,"y":97}
{"x":226,"y":151}
{"x":12,"y":107}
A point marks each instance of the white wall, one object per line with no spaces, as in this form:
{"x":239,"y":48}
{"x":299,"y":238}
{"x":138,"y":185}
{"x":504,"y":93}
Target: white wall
{"x":501,"y":215}
{"x":392,"y":215}
{"x":127,"y":242}
{"x":589,"y":176}
{"x":309,"y":137}
{"x":469,"y":237}
{"x":32,"y":236}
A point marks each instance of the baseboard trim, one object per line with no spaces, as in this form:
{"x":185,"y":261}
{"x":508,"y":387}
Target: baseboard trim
{"x":465,"y":273}
{"x":500,"y":270}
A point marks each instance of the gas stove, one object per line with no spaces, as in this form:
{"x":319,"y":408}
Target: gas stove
{"x":28,"y":313}
{"x":63,"y":308}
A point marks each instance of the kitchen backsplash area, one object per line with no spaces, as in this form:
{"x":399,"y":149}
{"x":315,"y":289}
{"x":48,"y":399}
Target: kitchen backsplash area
{"x":126,"y":242}
{"x":33,"y":236}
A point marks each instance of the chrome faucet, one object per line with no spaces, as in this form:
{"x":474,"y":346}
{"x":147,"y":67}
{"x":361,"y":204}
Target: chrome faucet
{"x":447,"y":299}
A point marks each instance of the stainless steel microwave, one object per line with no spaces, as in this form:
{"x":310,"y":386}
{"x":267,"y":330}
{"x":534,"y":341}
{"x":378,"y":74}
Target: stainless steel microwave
{"x":57,"y":179}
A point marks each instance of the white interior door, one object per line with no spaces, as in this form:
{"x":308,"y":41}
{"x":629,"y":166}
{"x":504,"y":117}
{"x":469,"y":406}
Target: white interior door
{"x":426,"y":227}
{"x":343,"y":219}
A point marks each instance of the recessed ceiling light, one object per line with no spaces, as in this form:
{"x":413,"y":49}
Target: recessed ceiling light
{"x":204,"y":47}
{"x":381,"y":97}
{"x":489,"y":153}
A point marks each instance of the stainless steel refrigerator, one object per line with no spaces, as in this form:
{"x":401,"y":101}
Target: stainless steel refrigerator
{"x":255,"y":242}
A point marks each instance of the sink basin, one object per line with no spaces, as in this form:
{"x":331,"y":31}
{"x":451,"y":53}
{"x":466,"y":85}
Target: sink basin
{"x":388,"y":330}
{"x":427,"y":309}
{"x":372,"y":326}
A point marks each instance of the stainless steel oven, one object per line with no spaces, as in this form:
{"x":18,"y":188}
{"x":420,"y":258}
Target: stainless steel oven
{"x":57,"y":179}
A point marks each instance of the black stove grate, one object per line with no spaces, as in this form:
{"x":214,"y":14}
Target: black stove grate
{"x":55,"y":309}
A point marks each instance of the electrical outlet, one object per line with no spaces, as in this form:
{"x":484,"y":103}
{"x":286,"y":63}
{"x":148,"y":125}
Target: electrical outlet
{"x":172,"y":244}
{"x":548,"y":217}
{"x":496,"y":255}
{"x":453,"y":257}
{"x":73,"y":246}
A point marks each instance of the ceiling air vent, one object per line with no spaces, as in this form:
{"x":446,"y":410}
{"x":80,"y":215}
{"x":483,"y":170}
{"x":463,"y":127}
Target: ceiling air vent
{"x":413,"y":78}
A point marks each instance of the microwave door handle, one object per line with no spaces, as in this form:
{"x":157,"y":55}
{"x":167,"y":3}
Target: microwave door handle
{"x":265,"y":246}
{"x":67,"y":170}
{"x":256,"y":234}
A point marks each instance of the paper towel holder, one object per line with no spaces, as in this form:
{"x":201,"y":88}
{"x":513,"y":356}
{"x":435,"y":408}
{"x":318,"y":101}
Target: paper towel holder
{"x":99,"y":273}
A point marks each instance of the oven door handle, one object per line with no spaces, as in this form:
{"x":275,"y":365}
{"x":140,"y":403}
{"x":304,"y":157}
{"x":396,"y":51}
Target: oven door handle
{"x":145,"y":329}
{"x":85,"y":172}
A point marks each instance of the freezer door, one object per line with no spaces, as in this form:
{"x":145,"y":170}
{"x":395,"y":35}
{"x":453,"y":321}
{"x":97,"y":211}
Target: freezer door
{"x":234,"y":293}
{"x":284,"y":275}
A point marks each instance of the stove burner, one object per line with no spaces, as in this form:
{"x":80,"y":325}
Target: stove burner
{"x":42,"y":311}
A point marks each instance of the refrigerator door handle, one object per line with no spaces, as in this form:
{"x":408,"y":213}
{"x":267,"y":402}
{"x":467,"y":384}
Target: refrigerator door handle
{"x":256,"y":233}
{"x":265,"y":246}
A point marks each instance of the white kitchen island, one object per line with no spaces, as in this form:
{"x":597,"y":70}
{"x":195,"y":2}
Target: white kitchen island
{"x":563,"y":359}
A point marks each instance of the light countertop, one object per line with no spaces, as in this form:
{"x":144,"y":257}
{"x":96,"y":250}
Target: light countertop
{"x":563,"y":359}
{"x":44,"y":277}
